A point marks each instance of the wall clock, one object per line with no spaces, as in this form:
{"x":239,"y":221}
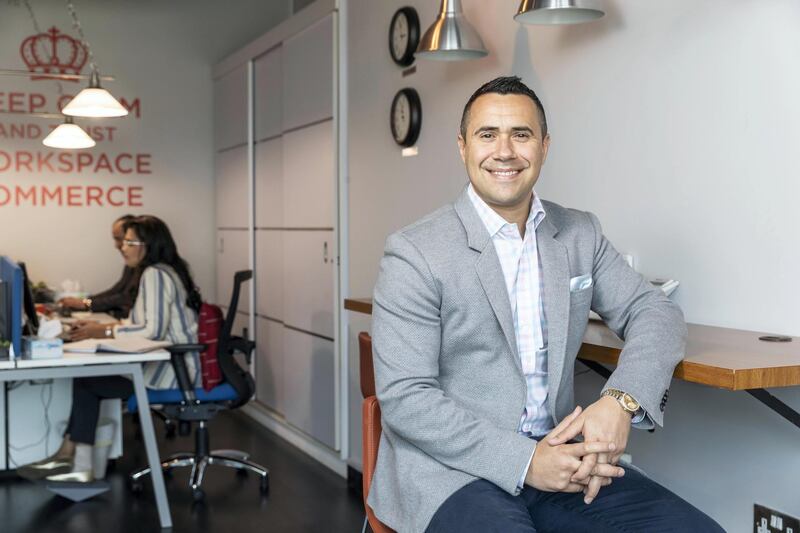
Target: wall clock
{"x":404,"y":36}
{"x":406,"y":117}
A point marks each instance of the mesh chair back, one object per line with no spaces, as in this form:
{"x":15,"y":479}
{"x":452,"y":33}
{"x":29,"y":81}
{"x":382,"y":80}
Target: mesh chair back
{"x":208,"y":332}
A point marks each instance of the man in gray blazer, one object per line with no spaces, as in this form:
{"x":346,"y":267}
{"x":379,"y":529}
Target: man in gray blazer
{"x":479,"y":311}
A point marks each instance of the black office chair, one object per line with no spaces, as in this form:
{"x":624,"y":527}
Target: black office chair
{"x":188,"y":405}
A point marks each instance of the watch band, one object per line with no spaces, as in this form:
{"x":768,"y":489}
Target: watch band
{"x":87,"y":302}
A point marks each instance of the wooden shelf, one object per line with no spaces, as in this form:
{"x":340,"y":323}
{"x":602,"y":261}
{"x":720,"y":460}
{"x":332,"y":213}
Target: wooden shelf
{"x":726,"y":358}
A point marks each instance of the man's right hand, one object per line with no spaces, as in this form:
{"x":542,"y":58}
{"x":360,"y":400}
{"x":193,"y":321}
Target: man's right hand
{"x":72,"y":303}
{"x":552,"y":467}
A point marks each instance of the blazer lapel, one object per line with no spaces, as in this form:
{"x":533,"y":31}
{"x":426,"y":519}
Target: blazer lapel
{"x":555,"y":271}
{"x":489,"y":271}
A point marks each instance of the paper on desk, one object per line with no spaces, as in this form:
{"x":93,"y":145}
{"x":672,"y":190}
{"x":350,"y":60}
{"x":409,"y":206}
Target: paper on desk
{"x":124,"y":345}
{"x":84,"y":346}
{"x":48,"y":329}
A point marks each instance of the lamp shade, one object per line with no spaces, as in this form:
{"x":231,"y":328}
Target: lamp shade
{"x":69,"y":136}
{"x":555,"y":12}
{"x":451,"y":37}
{"x":95,"y":102}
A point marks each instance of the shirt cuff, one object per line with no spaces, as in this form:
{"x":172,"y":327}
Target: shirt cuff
{"x":642,"y":420}
{"x":521,"y":482}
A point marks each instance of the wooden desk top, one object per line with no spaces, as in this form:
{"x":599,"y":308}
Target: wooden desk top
{"x":727,"y":358}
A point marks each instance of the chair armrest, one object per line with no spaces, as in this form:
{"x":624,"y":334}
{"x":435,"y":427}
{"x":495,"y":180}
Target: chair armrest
{"x":243,"y":346}
{"x":177,"y":353}
{"x":186,"y":348}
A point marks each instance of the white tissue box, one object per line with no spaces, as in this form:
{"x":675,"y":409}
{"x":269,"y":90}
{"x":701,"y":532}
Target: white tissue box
{"x":34,"y":348}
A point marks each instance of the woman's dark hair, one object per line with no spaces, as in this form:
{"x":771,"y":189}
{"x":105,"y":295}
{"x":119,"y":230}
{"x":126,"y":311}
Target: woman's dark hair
{"x":160,"y":248}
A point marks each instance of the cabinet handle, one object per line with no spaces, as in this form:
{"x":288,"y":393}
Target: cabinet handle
{"x":222,"y":245}
{"x":325,"y":252}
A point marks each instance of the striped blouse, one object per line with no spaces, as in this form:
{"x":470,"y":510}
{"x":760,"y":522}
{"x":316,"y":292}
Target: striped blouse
{"x":161,"y":313}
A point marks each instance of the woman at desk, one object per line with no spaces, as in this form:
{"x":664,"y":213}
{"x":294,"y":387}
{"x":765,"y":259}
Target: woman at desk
{"x":166,"y":308}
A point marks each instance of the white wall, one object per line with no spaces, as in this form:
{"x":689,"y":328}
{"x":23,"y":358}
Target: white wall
{"x":161,"y":53}
{"x":676,"y":123}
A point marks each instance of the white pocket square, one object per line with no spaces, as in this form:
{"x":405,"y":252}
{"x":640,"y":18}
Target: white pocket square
{"x":579,"y":283}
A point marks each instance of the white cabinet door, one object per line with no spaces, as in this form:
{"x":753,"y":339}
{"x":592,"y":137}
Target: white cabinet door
{"x":308,"y":369}
{"x":233,"y":254}
{"x":269,"y":364}
{"x":269,"y":183}
{"x":269,"y":273}
{"x":308,"y":75}
{"x":230,"y":109}
{"x":309,"y":272}
{"x":268,"y":93}
{"x":309,"y":177}
{"x":232,"y":190}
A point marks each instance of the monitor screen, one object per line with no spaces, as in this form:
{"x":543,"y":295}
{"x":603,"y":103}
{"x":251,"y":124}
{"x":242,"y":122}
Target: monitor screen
{"x":12,"y":282}
{"x":28,"y":305}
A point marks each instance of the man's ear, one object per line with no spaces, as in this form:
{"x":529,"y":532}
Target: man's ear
{"x":545,"y":147}
{"x":462,"y":145}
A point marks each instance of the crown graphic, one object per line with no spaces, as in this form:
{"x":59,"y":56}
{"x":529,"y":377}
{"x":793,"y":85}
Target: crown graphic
{"x":53,"y":52}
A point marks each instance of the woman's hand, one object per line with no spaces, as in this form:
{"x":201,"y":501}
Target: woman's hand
{"x":87,"y":329}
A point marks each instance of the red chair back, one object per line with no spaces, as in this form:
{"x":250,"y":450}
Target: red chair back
{"x":370,"y":426}
{"x":209,"y":325}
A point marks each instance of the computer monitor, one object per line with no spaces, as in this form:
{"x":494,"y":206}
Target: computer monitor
{"x":28,"y":305}
{"x":11,"y":280}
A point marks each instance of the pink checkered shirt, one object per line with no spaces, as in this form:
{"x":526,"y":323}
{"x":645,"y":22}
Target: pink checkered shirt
{"x":519,"y":260}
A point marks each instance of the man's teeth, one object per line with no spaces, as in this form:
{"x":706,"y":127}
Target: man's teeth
{"x":505,"y":173}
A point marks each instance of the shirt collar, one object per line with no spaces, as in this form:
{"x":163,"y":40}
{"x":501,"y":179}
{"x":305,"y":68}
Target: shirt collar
{"x":494,"y":222}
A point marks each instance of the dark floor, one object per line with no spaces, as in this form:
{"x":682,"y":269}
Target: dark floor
{"x":304,"y":495}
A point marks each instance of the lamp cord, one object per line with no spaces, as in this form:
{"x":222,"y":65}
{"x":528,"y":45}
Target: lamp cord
{"x":77,"y":25}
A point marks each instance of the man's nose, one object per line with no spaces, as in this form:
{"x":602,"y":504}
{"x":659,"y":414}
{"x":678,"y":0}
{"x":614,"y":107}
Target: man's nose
{"x":504,"y":149}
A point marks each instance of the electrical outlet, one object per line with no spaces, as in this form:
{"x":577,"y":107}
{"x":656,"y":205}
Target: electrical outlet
{"x":767,"y":520}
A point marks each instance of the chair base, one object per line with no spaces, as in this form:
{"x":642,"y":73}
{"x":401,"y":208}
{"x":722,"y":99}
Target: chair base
{"x":229,"y":458}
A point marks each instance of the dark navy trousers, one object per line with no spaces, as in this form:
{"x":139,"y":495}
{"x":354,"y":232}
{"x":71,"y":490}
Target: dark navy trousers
{"x":633,"y":503}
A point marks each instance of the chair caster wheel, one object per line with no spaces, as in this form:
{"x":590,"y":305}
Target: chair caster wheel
{"x":264,"y":485}
{"x":198,"y":495}
{"x":136,"y":487}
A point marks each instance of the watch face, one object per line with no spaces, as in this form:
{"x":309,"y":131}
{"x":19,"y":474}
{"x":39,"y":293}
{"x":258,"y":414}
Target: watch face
{"x":404,"y":36}
{"x":630,"y":403}
{"x":406,"y":117}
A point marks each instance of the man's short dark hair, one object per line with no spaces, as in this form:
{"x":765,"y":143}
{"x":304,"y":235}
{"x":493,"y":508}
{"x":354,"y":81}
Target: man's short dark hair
{"x":504,"y":85}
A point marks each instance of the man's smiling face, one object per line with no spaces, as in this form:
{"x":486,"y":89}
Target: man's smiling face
{"x":503,"y":149}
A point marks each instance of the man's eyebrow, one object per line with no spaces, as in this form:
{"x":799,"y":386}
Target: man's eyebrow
{"x":514,"y":129}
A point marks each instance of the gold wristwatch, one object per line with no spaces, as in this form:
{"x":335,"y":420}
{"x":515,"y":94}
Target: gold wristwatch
{"x":627,"y":401}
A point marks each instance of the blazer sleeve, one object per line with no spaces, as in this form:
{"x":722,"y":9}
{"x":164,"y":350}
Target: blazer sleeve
{"x":119,"y":298}
{"x":407,"y":331}
{"x":156,"y":294}
{"x":639,"y":313}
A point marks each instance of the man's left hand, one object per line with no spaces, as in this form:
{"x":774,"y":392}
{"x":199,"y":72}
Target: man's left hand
{"x":606,"y":421}
{"x":88,"y":330}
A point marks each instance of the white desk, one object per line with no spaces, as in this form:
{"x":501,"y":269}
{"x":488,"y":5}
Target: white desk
{"x":6,"y":363}
{"x":74,"y":365}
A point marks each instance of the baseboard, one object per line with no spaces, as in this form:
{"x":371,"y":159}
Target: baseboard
{"x":297,"y":438}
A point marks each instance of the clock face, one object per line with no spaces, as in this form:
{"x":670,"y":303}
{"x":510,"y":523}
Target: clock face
{"x":404,"y":36}
{"x":406,"y":117}
{"x":399,"y":35}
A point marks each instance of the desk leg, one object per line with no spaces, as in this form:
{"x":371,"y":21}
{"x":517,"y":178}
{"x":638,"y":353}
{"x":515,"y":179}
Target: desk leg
{"x":776,"y":405}
{"x":152,"y":449}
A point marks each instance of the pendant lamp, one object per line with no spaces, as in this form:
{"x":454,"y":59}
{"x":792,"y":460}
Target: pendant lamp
{"x":451,"y":37}
{"x":69,"y":136}
{"x":94,"y":101}
{"x":555,"y":12}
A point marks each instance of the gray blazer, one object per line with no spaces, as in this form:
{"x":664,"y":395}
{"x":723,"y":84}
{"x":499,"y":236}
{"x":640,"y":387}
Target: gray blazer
{"x":447,"y":374}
